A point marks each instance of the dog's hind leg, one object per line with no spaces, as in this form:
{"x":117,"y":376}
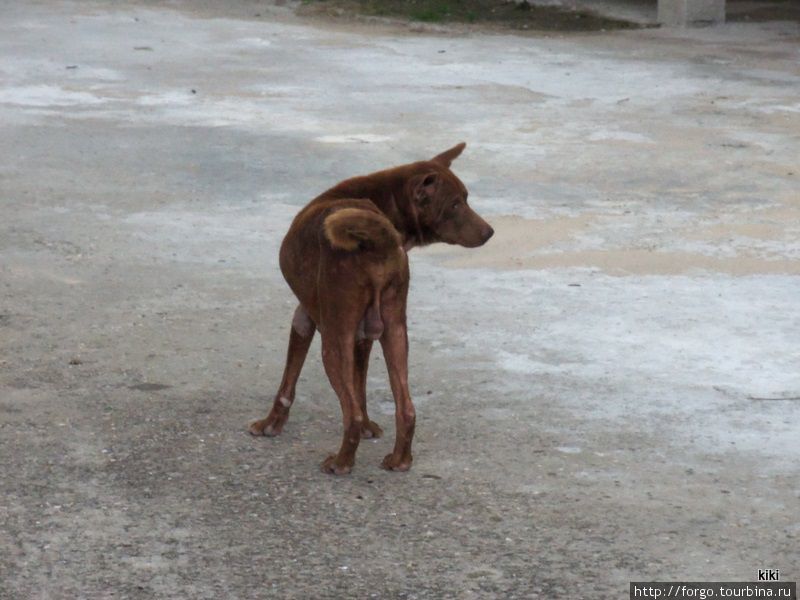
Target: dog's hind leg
{"x":369,"y":429}
{"x":395,"y":351}
{"x":338,"y":357}
{"x":302,"y":333}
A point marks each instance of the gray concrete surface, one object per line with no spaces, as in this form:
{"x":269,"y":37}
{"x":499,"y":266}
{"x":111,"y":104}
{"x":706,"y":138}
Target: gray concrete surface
{"x":688,"y":12}
{"x":606,"y":392}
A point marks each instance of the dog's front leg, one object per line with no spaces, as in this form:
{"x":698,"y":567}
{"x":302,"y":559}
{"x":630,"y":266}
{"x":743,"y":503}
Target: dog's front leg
{"x":369,"y":429}
{"x":395,"y":352}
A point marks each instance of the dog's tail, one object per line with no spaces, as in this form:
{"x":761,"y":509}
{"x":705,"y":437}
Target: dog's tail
{"x":358,"y":229}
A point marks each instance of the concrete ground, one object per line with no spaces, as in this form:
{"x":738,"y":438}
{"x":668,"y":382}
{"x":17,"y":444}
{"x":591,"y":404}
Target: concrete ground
{"x":607,"y":391}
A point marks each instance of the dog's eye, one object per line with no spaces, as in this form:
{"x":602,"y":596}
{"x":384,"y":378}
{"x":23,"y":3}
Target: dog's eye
{"x":455,"y":205}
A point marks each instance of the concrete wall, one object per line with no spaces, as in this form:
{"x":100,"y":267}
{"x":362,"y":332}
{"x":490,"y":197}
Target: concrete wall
{"x":688,"y":12}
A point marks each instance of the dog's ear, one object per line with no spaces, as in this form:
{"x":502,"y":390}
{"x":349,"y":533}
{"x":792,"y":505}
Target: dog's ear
{"x":448,"y":156}
{"x":425,"y":187}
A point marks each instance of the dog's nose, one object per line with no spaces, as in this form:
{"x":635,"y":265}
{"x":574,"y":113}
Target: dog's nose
{"x":487,"y":233}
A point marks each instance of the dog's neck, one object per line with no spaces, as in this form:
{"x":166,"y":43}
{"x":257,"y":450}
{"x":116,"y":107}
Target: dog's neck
{"x":388,"y":190}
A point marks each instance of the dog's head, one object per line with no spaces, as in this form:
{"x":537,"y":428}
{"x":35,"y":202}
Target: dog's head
{"x":440,"y":203}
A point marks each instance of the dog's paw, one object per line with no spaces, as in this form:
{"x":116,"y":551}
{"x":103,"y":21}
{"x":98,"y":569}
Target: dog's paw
{"x":371,"y":429}
{"x":329,"y":465}
{"x":393,"y":463}
{"x":270,"y":427}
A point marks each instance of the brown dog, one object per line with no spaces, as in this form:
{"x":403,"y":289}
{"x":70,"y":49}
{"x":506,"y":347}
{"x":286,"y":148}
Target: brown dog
{"x":345,"y":259}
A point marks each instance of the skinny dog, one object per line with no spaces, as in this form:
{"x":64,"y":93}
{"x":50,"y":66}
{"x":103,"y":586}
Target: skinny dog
{"x":345,"y":258}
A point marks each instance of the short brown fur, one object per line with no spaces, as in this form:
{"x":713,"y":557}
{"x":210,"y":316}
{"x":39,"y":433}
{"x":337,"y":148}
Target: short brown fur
{"x":345,"y":258}
{"x":354,"y":228}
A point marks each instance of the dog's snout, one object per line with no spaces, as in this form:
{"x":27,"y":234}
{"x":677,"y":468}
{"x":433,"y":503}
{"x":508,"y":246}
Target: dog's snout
{"x":488,"y":232}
